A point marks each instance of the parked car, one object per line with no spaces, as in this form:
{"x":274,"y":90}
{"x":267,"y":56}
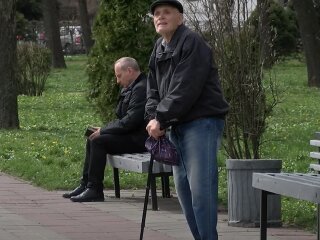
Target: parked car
{"x":71,"y":39}
{"x":41,"y":38}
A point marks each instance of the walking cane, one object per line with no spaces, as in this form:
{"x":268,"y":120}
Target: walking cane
{"x":146,"y":198}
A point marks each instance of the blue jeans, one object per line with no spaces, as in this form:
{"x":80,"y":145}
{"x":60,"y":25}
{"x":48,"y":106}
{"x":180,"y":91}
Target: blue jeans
{"x":196,"y":178}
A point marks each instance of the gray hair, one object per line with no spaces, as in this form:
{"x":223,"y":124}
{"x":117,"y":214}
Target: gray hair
{"x":126,"y":62}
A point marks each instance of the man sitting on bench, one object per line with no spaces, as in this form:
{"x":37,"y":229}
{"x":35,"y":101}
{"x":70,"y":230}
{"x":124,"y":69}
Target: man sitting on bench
{"x":126,"y":134}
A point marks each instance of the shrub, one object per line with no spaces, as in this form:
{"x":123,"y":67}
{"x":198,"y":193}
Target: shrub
{"x":240,"y":57}
{"x":33,"y":68}
{"x":283,"y":29}
{"x":119,"y":30}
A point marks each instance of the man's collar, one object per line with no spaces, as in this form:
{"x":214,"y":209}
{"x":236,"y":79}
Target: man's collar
{"x":176,"y":36}
{"x":174,"y":40}
{"x":133,"y":82}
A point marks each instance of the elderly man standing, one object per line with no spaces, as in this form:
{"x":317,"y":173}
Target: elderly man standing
{"x":126,"y":134}
{"x":184,"y":93}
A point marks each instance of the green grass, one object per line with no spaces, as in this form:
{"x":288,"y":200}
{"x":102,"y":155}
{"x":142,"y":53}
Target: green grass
{"x":48,"y":150}
{"x":290,"y":128}
{"x":294,"y":120}
{"x":293,"y":123}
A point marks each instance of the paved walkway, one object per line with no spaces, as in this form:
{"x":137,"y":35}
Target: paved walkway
{"x":31,"y":213}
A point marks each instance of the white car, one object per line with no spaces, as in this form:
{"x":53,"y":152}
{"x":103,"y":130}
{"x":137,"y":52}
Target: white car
{"x":71,"y":39}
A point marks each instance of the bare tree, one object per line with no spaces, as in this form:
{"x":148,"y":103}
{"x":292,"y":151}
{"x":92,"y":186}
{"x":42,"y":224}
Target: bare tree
{"x":8,"y":61}
{"x":264,"y":30}
{"x":85,"y":25}
{"x":240,"y":54}
{"x":310,"y":35}
{"x":51,"y":24}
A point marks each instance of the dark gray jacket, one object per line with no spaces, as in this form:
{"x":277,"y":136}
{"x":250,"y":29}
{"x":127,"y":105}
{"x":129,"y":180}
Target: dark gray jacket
{"x":130,"y":111}
{"x":183,"y":85}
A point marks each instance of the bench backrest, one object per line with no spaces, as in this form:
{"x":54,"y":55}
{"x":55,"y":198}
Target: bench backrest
{"x":315,"y":155}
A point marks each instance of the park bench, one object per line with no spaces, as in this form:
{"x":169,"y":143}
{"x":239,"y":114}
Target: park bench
{"x":303,"y":186}
{"x":139,"y":162}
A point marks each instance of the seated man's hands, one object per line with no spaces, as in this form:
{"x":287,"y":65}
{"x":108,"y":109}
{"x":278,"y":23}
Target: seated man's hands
{"x":95,"y":134}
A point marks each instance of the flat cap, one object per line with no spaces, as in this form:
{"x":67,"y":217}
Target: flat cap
{"x":173,"y":3}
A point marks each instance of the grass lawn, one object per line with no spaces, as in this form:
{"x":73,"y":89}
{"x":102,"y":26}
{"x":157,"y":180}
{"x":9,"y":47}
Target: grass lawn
{"x":292,"y":125}
{"x":48,"y":150}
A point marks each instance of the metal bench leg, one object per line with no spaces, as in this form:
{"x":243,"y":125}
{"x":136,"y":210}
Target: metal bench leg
{"x":318,"y":209}
{"x":318,"y":222}
{"x":263,"y":215}
{"x":154,"y":199}
{"x":116,"y":182}
{"x":165,"y":186}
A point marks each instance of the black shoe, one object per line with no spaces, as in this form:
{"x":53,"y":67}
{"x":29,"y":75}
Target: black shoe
{"x":89,"y":195}
{"x":75,"y":192}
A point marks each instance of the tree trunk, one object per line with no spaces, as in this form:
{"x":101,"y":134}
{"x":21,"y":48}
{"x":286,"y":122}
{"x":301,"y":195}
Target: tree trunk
{"x":265,"y":34}
{"x":51,"y":24}
{"x":85,"y":25}
{"x":310,"y":35}
{"x":8,"y":61}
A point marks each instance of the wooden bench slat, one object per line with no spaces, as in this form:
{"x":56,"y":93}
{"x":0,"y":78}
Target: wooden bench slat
{"x":315,"y":143}
{"x":303,"y":178}
{"x":289,"y":185}
{"x":138,"y":156}
{"x":128,"y":164}
{"x":132,"y":158}
{"x":315,"y":167}
{"x":304,"y":186}
{"x":315,"y":155}
{"x":309,"y":179}
{"x":137,"y":163}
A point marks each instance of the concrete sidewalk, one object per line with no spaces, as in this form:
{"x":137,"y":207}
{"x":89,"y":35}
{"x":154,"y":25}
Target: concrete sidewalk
{"x":31,"y":213}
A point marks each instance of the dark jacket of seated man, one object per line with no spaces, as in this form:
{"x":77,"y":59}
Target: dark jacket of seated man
{"x":126,"y":134}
